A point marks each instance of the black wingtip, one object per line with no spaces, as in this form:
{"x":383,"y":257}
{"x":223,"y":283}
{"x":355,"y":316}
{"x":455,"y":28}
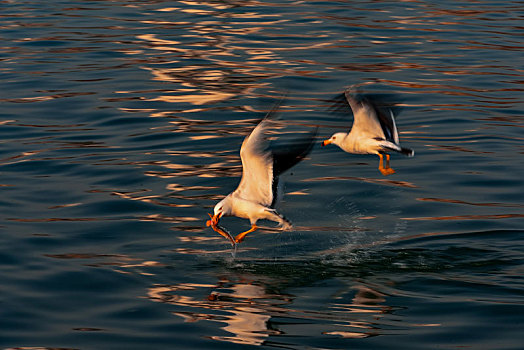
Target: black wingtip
{"x":288,"y":155}
{"x":357,"y":96}
{"x":338,"y":105}
{"x":352,"y":99}
{"x":407,"y":152}
{"x":272,"y":113}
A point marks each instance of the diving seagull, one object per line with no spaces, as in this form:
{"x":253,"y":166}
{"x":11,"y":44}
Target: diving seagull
{"x":258,"y":191}
{"x":374,"y":131}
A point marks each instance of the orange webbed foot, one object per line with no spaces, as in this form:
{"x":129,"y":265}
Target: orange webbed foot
{"x":386,"y":171}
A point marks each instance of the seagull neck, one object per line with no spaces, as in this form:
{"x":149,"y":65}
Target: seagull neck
{"x":350,"y":142}
{"x":244,"y":208}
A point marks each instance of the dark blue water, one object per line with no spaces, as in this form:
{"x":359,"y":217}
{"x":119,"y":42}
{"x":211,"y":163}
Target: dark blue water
{"x":120,"y":127}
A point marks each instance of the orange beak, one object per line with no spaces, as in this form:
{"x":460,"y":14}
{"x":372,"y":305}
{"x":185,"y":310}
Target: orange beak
{"x":326,"y":142}
{"x":214,"y":219}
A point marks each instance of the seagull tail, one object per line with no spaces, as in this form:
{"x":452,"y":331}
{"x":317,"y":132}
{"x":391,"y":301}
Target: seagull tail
{"x":393,"y":147}
{"x":407,"y":152}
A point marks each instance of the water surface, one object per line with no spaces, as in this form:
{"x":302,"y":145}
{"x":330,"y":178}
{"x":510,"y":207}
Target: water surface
{"x":120,"y":128}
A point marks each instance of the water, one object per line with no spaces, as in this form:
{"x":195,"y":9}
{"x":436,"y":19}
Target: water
{"x":120,"y":127}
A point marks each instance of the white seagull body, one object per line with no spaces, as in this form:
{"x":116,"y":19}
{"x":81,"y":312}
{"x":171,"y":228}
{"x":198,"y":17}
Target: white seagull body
{"x":257,"y":193}
{"x":373,"y":132}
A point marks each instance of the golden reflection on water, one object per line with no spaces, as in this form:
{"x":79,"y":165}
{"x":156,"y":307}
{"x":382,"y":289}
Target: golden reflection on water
{"x":221,"y":57}
{"x":365,"y":179}
{"x":44,"y":98}
{"x":220,"y":61}
{"x":468,"y":217}
{"x":251,"y":314}
{"x":458,"y":149}
{"x":456,"y":201}
{"x":234,"y":62}
{"x":120,"y":263}
{"x":246,"y":322}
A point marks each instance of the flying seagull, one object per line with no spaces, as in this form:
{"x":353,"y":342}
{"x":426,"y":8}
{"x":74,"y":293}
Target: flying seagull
{"x":258,"y":191}
{"x":373,"y":132}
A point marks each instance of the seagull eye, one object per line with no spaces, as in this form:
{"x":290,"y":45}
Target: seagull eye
{"x":334,"y":137}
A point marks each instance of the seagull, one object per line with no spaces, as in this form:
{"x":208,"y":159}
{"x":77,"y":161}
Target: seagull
{"x":258,"y":191}
{"x":373,"y":132}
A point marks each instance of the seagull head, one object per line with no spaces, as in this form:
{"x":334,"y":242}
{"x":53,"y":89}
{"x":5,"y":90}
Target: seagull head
{"x":222,"y":208}
{"x":336,"y":139}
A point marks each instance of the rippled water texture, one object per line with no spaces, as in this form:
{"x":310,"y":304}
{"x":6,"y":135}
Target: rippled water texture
{"x":120,"y":128}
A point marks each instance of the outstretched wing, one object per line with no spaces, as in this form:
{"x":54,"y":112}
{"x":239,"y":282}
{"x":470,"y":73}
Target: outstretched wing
{"x":373,"y":116}
{"x":256,"y":184}
{"x":262,"y":163}
{"x":289,"y":154}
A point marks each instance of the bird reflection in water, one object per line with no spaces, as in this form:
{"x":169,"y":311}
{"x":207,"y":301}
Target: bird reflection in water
{"x":258,"y":192}
{"x":245,"y":302}
{"x":251,"y":315}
